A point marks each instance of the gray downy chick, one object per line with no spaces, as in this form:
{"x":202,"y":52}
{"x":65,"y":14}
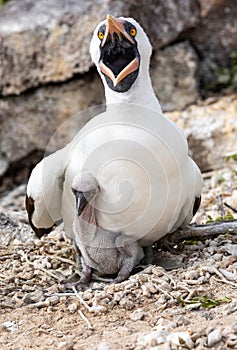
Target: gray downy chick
{"x":102,"y":250}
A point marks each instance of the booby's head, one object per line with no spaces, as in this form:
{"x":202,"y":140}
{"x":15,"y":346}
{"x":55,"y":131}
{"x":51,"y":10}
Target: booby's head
{"x":85,"y":188}
{"x":121,"y":51}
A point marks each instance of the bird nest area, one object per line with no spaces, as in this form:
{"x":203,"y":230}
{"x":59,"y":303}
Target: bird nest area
{"x":187,"y":299}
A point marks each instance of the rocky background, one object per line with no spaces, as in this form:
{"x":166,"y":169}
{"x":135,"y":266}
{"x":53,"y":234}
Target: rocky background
{"x":46,"y":73}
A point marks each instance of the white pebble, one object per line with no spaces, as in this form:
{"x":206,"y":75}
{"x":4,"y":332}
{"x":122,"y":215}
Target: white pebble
{"x":104,"y":346}
{"x":72,"y":307}
{"x":149,"y":339}
{"x":229,"y":275}
{"x":65,"y":345}
{"x":118,"y":296}
{"x":126,"y":303}
{"x":181,"y":339}
{"x":9,"y":325}
{"x":231,"y":249}
{"x":192,"y":275}
{"x":137,"y":314}
{"x":214,"y":337}
{"x":54,"y":300}
{"x":218,"y":256}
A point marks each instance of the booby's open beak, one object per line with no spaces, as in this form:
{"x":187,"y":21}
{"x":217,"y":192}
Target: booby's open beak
{"x":115,"y":26}
{"x":119,"y":55}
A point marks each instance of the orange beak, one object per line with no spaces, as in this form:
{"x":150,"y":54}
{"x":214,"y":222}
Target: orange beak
{"x":116,"y":26}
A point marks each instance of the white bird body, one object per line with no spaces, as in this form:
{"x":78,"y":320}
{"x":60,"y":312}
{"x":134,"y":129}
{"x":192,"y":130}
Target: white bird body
{"x":148,"y":155}
{"x":148,"y":183}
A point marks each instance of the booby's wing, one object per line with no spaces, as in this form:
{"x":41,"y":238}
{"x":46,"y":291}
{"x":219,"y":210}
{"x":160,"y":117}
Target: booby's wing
{"x":44,"y":192}
{"x":194,"y":184}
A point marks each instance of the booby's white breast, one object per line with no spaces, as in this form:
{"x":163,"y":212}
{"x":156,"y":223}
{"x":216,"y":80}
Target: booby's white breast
{"x":140,"y":160}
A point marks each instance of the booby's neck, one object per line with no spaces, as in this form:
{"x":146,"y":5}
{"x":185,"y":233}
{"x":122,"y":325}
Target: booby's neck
{"x":140,"y":93}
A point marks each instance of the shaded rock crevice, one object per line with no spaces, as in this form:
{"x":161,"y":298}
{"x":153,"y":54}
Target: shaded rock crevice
{"x":19,"y":171}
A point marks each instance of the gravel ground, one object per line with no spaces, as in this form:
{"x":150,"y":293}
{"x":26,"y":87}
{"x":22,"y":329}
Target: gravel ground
{"x":187,"y":299}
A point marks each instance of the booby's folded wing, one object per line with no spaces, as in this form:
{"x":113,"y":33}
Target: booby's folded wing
{"x":44,"y":192}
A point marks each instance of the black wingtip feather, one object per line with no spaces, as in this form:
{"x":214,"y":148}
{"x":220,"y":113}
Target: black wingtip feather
{"x":30,"y":207}
{"x":196,"y":204}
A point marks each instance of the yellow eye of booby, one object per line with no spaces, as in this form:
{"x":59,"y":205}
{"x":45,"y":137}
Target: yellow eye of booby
{"x":133,"y":31}
{"x":101,"y":35}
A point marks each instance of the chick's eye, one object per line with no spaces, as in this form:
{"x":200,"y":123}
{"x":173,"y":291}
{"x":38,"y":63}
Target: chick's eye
{"x":101,"y":35}
{"x":133,"y":31}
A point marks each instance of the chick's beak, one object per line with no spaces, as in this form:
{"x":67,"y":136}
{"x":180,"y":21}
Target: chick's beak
{"x":83,"y":200}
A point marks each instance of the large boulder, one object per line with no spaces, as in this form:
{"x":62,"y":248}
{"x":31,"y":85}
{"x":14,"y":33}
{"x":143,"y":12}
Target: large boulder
{"x":215,"y":38}
{"x":28,"y":122}
{"x":211,"y":130}
{"x":165,"y":20}
{"x":174,"y":76}
{"x":45,"y":41}
{"x":48,"y":40}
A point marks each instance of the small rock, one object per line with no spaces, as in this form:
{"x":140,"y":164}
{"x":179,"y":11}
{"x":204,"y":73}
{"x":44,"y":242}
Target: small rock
{"x":65,"y":345}
{"x":182,"y":321}
{"x":53,"y":289}
{"x":143,"y":277}
{"x":214,"y":337}
{"x":149,"y":339}
{"x":34,"y":297}
{"x":193,"y":306}
{"x":98,"y":309}
{"x":50,"y":341}
{"x":218,"y":256}
{"x":138,"y":314}
{"x":165,"y":346}
{"x":181,"y":339}
{"x":26,"y":275}
{"x":9,"y":325}
{"x":118,"y":296}
{"x":54,"y":300}
{"x":231,"y":249}
{"x":192,"y":275}
{"x":41,"y":304}
{"x":228,"y":275}
{"x":104,"y":346}
{"x":72,"y":307}
{"x":126,"y":303}
{"x":87,"y":295}
{"x":26,"y":287}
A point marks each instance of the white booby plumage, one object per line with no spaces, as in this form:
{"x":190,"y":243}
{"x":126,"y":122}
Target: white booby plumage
{"x":149,"y":186}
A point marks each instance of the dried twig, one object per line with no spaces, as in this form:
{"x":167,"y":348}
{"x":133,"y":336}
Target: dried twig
{"x":82,"y":301}
{"x":220,"y":205}
{"x":230,"y":207}
{"x":68,"y":261}
{"x":202,"y":231}
{"x":222,"y":277}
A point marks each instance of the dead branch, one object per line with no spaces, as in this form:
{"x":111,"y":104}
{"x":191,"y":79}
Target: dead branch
{"x":230,"y":207}
{"x":202,"y":231}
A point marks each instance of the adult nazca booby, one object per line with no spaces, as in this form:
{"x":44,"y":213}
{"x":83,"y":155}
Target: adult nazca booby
{"x":148,"y":184}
